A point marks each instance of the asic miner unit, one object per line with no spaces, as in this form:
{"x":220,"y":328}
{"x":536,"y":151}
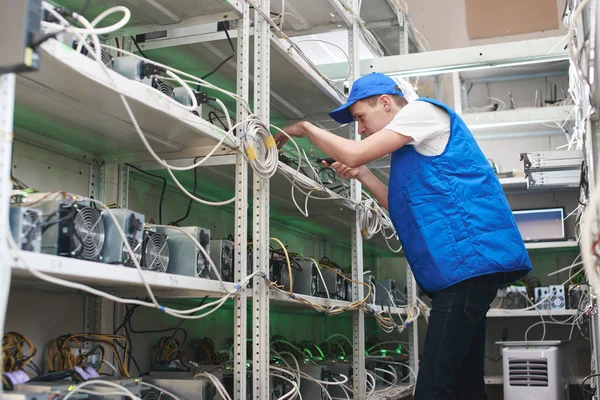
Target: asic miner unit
{"x":185,"y":258}
{"x":72,"y":228}
{"x":26,"y":228}
{"x":132,"y":224}
{"x":155,"y":251}
{"x":221,"y":252}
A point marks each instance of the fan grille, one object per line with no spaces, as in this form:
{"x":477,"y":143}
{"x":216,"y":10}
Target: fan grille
{"x":156,"y":252}
{"x":32,"y":229}
{"x":202,"y":266}
{"x":137,"y":251}
{"x":88,"y":235}
{"x":163,"y":87}
{"x":314,"y":282}
{"x":226,"y":262}
{"x":285,"y":279}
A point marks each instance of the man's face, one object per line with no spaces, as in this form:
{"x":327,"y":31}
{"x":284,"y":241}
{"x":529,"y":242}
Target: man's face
{"x":370,"y":118}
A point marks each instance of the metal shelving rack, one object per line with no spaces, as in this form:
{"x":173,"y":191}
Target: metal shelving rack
{"x":254,"y":48}
{"x":76,"y":102}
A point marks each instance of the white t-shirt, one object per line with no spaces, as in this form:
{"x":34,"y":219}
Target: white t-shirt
{"x":427,"y":124}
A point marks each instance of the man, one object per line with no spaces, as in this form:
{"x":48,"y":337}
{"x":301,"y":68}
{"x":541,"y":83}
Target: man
{"x":449,"y":210}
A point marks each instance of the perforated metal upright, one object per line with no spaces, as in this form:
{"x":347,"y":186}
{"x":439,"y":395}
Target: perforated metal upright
{"x":7,"y":103}
{"x":358,"y":316}
{"x":260,"y":300}
{"x":241,"y":211}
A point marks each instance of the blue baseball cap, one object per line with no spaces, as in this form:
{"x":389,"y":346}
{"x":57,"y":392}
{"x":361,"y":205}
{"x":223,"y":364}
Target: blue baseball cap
{"x":373,"y":84}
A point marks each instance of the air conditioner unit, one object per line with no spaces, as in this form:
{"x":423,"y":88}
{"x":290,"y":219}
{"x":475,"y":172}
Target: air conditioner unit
{"x":155,"y":251}
{"x":533,"y":373}
{"x":222,"y":255}
{"x":73,"y":228}
{"x":132,"y":224}
{"x":26,"y":228}
{"x":186,"y":259}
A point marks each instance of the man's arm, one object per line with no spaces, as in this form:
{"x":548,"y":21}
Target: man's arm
{"x":375,"y":186}
{"x":349,"y":152}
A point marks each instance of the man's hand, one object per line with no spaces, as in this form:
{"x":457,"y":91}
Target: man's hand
{"x":297,"y":130}
{"x":346,"y":172}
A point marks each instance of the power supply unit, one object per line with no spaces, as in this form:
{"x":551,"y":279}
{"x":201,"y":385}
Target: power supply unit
{"x":63,"y":387}
{"x":183,"y":388}
{"x":27,"y":396}
{"x":72,"y":228}
{"x":26,"y":228}
{"x":186,"y":259}
{"x":334,"y":283}
{"x":516,"y":297}
{"x":134,"y":69}
{"x":155,"y":251}
{"x":312,"y":390}
{"x":370,"y":280}
{"x":386,"y":288}
{"x":20,"y":24}
{"x":578,"y":296}
{"x":221,"y":252}
{"x":337,"y":369}
{"x":132,"y":224}
{"x":304,"y":275}
{"x":181,"y":95}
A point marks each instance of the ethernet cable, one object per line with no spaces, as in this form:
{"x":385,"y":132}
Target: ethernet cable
{"x":265,"y":169}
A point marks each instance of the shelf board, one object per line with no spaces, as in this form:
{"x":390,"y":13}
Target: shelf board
{"x":280,"y":298}
{"x":499,"y":55}
{"x":159,"y":13}
{"x":297,"y":91}
{"x":72,"y":102}
{"x":498,"y":312}
{"x":111,"y":278}
{"x":499,"y":380}
{"x":523,"y":120}
{"x":564,"y":244}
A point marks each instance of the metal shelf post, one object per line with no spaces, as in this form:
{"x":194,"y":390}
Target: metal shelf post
{"x":260,"y":300}
{"x":241,"y":213}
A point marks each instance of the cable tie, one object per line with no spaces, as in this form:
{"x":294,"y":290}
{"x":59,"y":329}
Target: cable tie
{"x":251,"y":153}
{"x":405,"y":325}
{"x":237,"y":287}
{"x":293,"y":296}
{"x":162,"y":308}
{"x":269,"y":142}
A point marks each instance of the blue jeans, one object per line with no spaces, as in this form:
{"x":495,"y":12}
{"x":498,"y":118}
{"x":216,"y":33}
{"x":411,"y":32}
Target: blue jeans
{"x":451,"y":366}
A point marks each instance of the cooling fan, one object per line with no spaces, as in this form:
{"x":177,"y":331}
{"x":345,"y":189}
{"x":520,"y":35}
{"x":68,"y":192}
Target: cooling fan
{"x":105,"y":57}
{"x":87,"y":236}
{"x":202,"y":266}
{"x":227,"y":263}
{"x":162,"y":87}
{"x":136,"y":246}
{"x":26,"y":228}
{"x":314,"y":281}
{"x":155,"y":251}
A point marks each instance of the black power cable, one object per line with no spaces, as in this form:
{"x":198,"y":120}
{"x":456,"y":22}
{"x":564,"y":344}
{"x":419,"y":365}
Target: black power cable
{"x":214,"y":114}
{"x":189,"y":206}
{"x":138,"y":46}
{"x":162,"y":193}
{"x":225,"y":60}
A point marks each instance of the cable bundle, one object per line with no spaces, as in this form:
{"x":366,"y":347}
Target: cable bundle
{"x":62,"y":358}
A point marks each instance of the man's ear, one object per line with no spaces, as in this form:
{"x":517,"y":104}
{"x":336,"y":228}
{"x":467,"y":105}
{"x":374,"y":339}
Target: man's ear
{"x":386,"y":102}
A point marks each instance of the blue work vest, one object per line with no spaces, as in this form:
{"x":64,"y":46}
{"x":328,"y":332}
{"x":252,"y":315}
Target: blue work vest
{"x":451,"y":214}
